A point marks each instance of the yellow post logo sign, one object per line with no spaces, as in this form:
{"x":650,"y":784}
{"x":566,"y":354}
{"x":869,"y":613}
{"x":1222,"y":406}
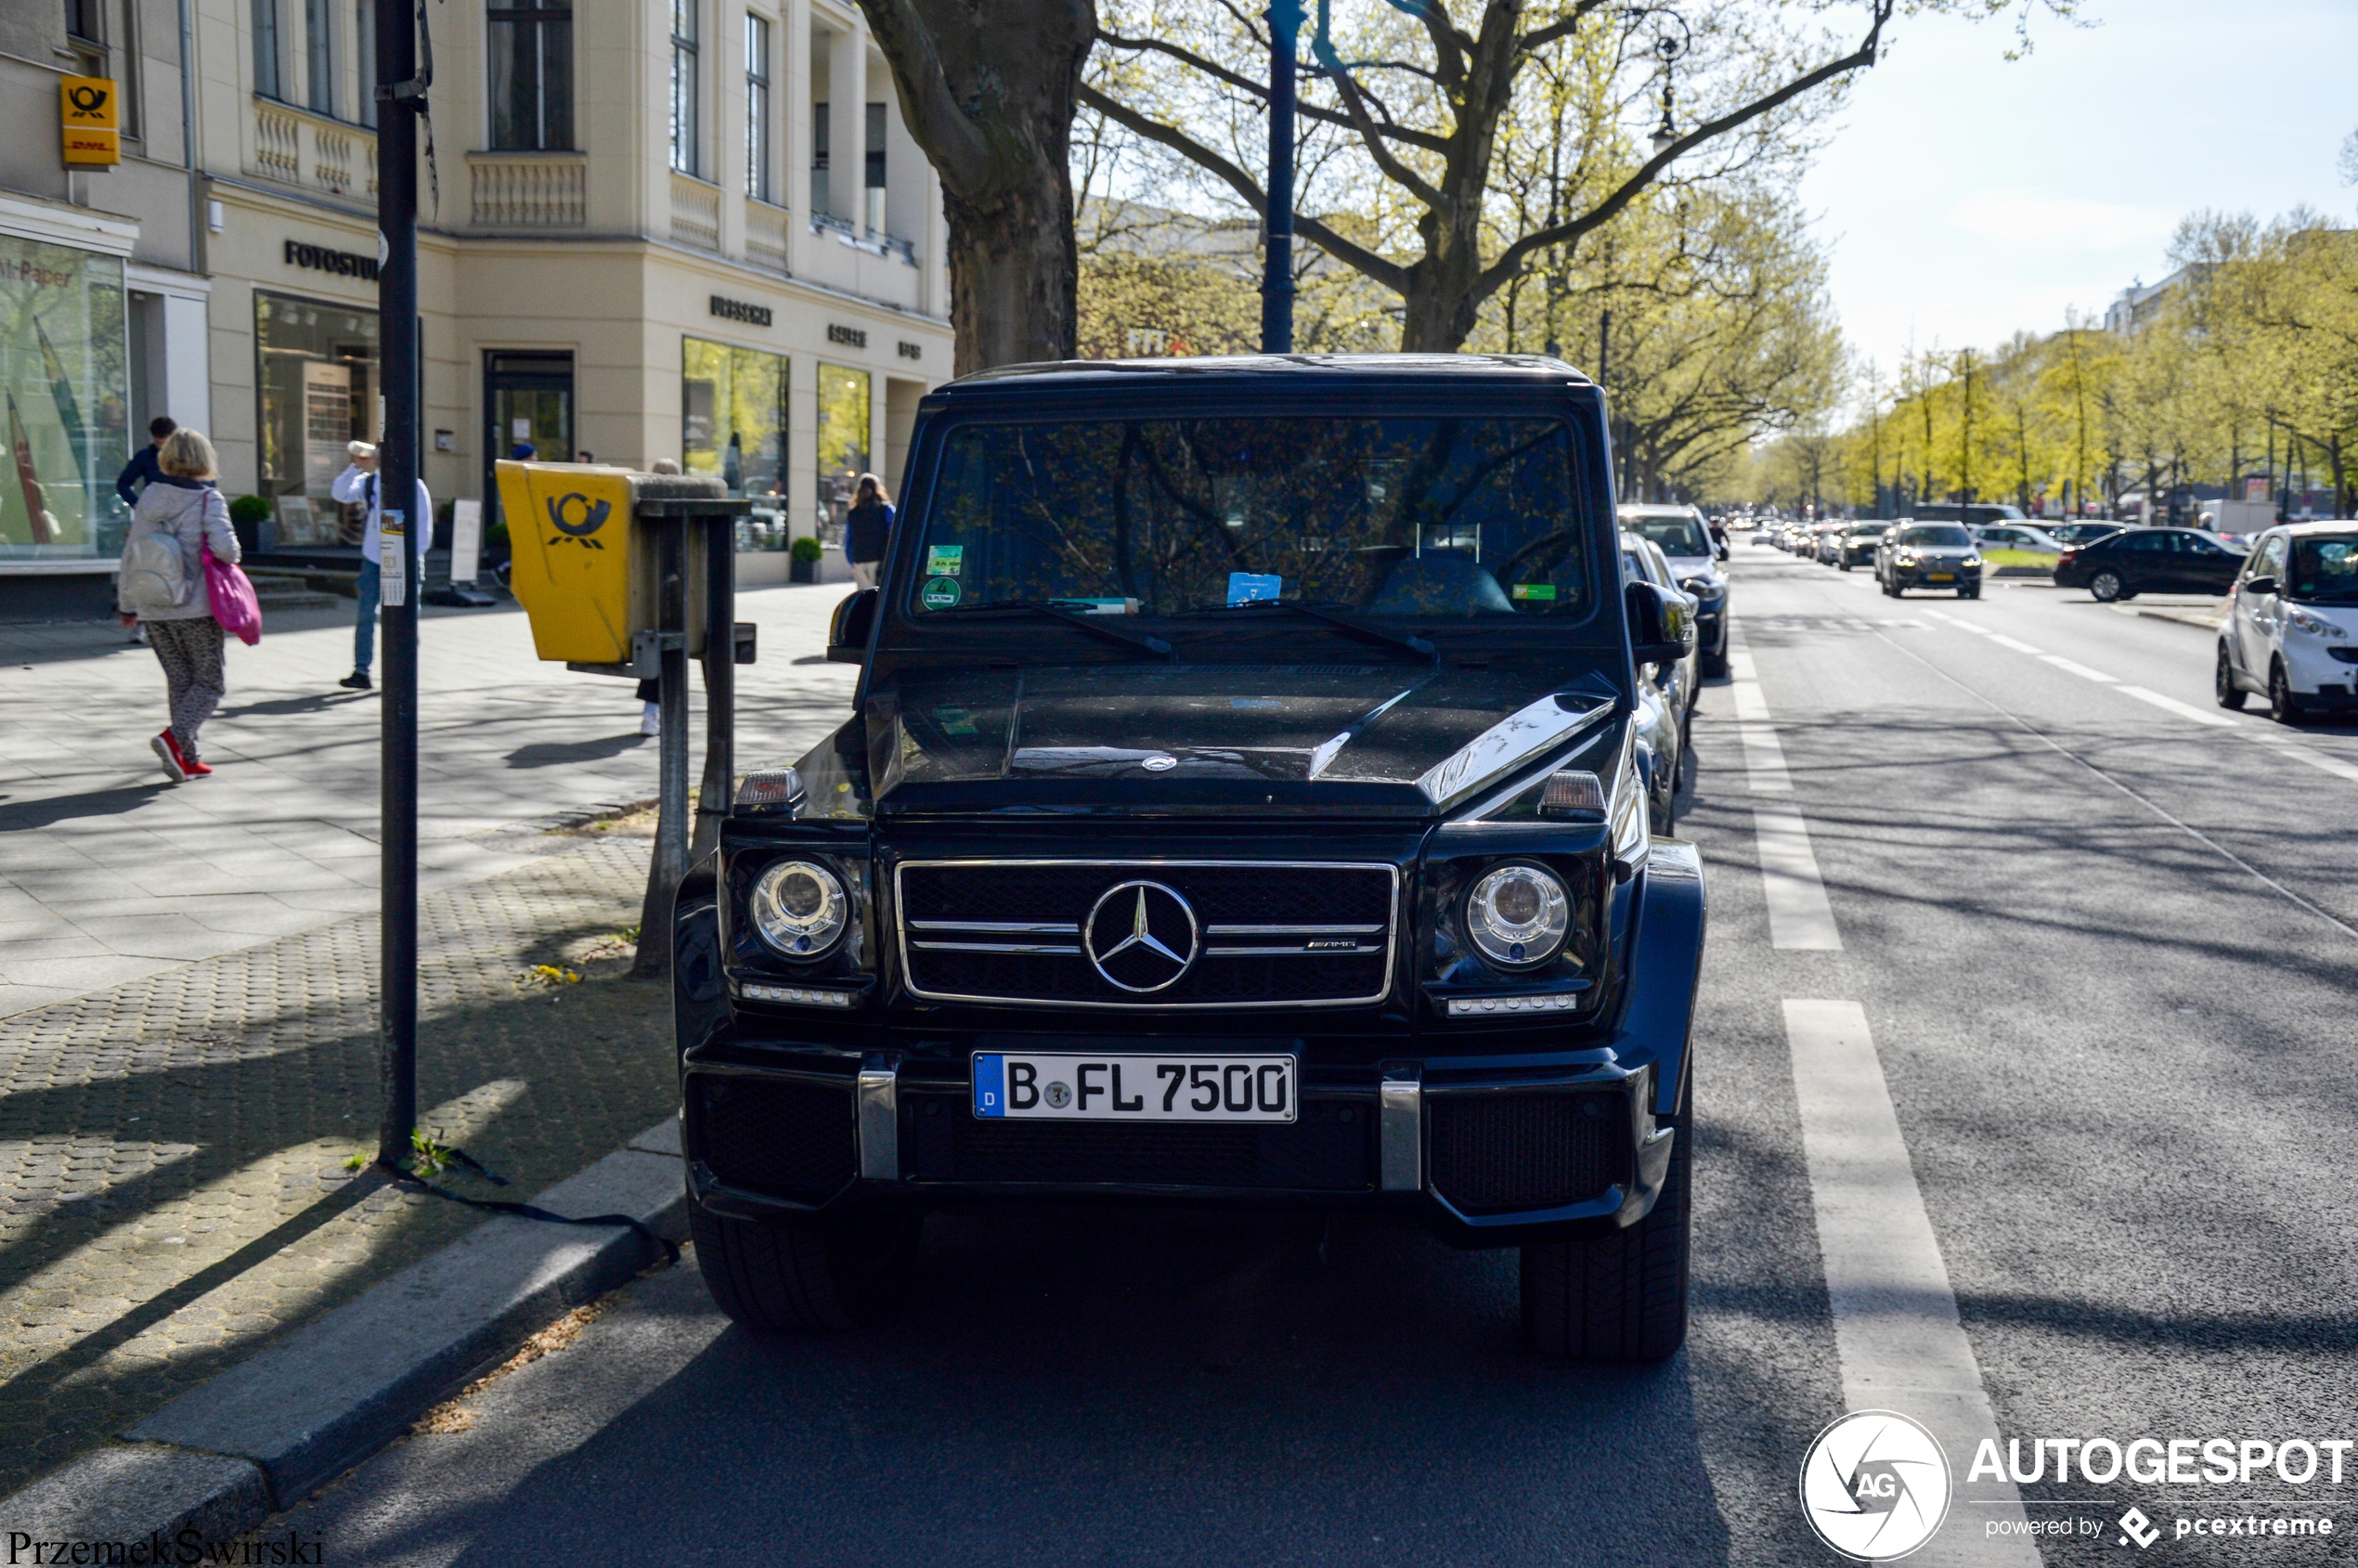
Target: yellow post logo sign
{"x":90,"y":121}
{"x":569,"y":537}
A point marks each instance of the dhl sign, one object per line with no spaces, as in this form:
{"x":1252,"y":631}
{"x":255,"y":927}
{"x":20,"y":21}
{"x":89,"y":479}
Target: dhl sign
{"x":90,"y":121}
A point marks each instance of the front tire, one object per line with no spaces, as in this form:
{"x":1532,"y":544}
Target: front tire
{"x":1620,"y":1297}
{"x":2106,"y":588}
{"x":2222,"y":685}
{"x":797,"y":1275}
{"x":1845,"y":565}
{"x":2284,"y":707}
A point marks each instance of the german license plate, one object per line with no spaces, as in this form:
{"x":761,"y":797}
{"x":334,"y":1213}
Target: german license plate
{"x":1940,"y":576}
{"x":1078,"y":1087}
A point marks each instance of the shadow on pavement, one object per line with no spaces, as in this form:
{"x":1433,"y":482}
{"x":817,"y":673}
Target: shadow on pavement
{"x":1169,"y":1388}
{"x":551,"y":753}
{"x":35,"y":814}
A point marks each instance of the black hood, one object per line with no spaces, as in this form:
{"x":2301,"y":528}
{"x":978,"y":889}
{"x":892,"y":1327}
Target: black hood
{"x":1388,"y":739}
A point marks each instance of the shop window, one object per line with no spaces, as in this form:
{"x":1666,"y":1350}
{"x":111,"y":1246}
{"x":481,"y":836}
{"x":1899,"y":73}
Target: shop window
{"x":316,"y":372}
{"x":64,"y":398}
{"x":733,"y":404}
{"x":531,"y":76}
{"x":842,"y":442}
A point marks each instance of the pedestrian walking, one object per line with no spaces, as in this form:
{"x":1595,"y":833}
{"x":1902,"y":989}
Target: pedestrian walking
{"x":357,"y":486}
{"x":142,"y":468}
{"x":177,"y":519}
{"x":868,"y":529}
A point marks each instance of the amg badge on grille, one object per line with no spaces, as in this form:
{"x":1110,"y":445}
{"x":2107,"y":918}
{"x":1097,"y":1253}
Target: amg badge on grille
{"x":1141,"y":937}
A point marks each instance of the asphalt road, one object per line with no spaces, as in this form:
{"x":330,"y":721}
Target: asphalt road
{"x":2105,"y":950}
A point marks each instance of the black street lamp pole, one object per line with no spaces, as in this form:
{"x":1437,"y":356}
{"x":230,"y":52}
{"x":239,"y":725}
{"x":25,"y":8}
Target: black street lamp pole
{"x":399,"y":96}
{"x":1276,"y":279}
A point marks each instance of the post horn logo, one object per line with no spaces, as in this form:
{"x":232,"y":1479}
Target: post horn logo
{"x":87,"y":100}
{"x":593,"y":517}
{"x":1874,"y":1486}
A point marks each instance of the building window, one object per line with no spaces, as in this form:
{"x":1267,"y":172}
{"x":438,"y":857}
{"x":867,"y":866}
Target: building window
{"x":319,"y":57}
{"x":874,"y":175}
{"x":64,"y":401}
{"x":733,"y":405}
{"x":843,"y":440}
{"x":363,"y":40}
{"x":818,"y":193}
{"x":757,"y":107}
{"x":531,"y":76}
{"x":316,"y":376}
{"x":266,"y":76}
{"x":81,"y":20}
{"x":683,"y":86}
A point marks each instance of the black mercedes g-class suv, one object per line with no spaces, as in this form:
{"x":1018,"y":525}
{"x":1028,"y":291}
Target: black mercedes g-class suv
{"x":1237,"y":807}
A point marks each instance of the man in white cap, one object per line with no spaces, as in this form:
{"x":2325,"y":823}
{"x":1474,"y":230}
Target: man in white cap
{"x":357,"y":484}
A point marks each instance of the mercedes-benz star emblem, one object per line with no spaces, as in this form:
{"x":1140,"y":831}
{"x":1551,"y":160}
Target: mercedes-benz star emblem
{"x":1141,"y":937}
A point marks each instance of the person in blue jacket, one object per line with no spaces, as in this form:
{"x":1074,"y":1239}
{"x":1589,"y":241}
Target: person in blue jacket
{"x":142,"y":466}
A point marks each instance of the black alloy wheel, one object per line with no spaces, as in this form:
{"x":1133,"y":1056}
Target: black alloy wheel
{"x":2282,"y":705}
{"x":2222,"y":685}
{"x":1968,"y":591}
{"x":2106,"y":586}
{"x":799,"y":1274}
{"x":1618,"y":1298}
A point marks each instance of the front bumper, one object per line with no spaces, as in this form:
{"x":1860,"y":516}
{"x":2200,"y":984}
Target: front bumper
{"x":1493,"y":1138}
{"x":2322,"y":672}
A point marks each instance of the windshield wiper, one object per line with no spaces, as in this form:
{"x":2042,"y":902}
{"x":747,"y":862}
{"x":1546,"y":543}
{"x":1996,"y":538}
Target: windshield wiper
{"x":1145,"y":642}
{"x":1405,"y":641}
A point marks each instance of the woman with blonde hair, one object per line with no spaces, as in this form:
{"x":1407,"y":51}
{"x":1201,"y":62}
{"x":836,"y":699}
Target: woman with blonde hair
{"x":162,"y":584}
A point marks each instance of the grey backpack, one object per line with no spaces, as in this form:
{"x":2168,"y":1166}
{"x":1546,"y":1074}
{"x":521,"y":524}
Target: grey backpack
{"x":155,"y":575}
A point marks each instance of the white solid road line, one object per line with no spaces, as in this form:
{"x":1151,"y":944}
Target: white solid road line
{"x":2300,"y":753}
{"x":1897,"y":1332}
{"x":2016,"y":644}
{"x":2071,"y":666}
{"x":2187,"y":711}
{"x":1801,"y":919}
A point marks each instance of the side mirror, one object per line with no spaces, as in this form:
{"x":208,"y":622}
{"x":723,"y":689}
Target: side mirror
{"x":855,"y":621}
{"x":1662,"y":624}
{"x":2260,"y":585}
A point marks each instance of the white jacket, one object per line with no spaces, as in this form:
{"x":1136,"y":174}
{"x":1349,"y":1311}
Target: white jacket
{"x":355,"y":484}
{"x":192,"y":519}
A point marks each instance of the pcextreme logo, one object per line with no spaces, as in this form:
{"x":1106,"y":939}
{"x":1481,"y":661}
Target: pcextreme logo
{"x":1874,"y":1486}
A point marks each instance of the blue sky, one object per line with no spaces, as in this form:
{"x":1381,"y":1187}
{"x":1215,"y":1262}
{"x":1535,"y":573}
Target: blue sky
{"x":1964,"y":196}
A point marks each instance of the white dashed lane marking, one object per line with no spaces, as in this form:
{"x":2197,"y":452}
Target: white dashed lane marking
{"x":1897,"y":1333}
{"x":1801,"y":919}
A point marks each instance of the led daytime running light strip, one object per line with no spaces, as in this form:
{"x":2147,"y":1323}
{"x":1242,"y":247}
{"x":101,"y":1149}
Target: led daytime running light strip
{"x":802,"y":995}
{"x":1465,"y":1007}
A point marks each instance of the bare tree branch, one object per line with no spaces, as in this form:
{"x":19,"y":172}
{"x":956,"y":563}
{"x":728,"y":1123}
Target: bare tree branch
{"x":1260,"y":90}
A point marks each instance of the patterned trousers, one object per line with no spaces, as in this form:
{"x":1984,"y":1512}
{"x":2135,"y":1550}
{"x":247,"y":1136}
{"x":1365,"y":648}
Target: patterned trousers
{"x":190,"y":653}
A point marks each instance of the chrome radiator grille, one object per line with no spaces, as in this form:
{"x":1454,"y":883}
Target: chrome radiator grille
{"x":1148,"y":934}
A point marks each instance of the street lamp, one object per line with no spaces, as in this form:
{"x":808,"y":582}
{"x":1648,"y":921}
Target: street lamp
{"x":1669,"y":50}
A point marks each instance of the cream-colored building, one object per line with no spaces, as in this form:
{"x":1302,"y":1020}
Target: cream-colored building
{"x":693,"y":230}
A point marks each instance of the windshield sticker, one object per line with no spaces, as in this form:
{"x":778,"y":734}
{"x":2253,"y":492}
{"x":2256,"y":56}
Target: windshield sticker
{"x":941,"y":593}
{"x":955,"y":720}
{"x":945,"y":560}
{"x":1245,"y":587}
{"x":1098,"y":606}
{"x":1544,"y":592}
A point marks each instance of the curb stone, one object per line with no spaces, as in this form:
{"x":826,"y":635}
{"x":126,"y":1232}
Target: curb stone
{"x":270,"y":1430}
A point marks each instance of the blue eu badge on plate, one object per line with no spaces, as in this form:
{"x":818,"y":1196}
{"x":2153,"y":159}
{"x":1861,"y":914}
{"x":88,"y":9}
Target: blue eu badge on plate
{"x":1244,"y":587}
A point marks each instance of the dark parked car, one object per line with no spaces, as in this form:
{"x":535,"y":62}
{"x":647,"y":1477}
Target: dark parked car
{"x":1938,"y":555}
{"x":2135,"y":561}
{"x":1238,"y":806}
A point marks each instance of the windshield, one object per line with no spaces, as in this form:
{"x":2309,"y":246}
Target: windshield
{"x":1868,"y":530}
{"x":2325,"y":570}
{"x":1937,"y":538}
{"x":1678,"y":536}
{"x":1412,"y":517}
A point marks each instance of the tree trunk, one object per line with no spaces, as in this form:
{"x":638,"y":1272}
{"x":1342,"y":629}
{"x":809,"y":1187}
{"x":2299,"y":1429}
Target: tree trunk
{"x":989,"y":92}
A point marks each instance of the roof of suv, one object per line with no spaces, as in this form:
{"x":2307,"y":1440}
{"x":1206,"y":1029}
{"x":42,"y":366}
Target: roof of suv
{"x":1285,"y":369}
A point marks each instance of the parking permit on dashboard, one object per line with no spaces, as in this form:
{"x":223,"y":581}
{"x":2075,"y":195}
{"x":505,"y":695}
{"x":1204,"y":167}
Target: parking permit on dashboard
{"x":1244,"y":587}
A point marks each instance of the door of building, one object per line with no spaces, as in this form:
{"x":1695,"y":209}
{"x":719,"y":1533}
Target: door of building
{"x":527,"y":400}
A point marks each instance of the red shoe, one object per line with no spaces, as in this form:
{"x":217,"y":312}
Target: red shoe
{"x":167,"y":752}
{"x":196,"y":768}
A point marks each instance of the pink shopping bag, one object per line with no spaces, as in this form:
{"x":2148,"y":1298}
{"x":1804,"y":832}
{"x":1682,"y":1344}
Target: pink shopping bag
{"x":234,"y":604}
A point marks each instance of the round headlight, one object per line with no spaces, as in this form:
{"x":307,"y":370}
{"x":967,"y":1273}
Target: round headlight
{"x":800,"y":907}
{"x":1518,"y":915}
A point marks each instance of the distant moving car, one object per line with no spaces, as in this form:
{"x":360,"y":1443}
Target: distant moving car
{"x":2291,"y":631}
{"x":1666,"y":695}
{"x":1826,"y":543}
{"x":1858,"y":543}
{"x":1937,"y":555}
{"x":1684,"y":538}
{"x":2137,"y":560}
{"x":1764,"y":534}
{"x":2018,"y":547}
{"x":1976,"y":514}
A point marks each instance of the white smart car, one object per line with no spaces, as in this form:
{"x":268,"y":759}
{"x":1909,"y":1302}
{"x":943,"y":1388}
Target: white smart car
{"x":2291,"y":631}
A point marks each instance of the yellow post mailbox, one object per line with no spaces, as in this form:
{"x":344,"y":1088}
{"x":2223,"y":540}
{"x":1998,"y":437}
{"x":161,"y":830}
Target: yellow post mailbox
{"x":585,"y":564}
